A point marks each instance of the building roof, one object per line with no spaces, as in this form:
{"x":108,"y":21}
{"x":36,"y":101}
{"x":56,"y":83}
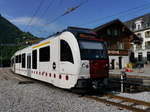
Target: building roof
{"x":145,"y":17}
{"x":145,"y":22}
{"x":107,"y":24}
{"x":117,"y":21}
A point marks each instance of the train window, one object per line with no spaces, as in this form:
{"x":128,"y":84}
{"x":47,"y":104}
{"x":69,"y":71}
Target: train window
{"x":15,"y":59}
{"x":44,"y":54}
{"x":65,"y":52}
{"x":19,"y":58}
{"x":92,"y":50}
{"x":34,"y":59}
{"x":23,"y":60}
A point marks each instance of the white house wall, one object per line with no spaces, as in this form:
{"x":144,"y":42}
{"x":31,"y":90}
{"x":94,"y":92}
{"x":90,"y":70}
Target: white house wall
{"x":143,"y":50}
{"x":125,"y":61}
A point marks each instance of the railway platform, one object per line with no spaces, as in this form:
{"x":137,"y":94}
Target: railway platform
{"x":135,"y":78}
{"x":143,"y":72}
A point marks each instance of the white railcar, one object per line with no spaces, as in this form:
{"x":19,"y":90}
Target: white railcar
{"x":72,"y":58}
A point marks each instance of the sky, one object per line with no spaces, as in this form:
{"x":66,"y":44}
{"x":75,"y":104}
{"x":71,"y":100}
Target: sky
{"x":43,"y":17}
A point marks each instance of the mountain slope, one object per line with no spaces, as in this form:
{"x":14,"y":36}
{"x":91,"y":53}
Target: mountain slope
{"x":12,"y":39}
{"x":9,"y":33}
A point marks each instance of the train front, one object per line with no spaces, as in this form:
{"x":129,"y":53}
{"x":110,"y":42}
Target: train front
{"x":94,"y":67}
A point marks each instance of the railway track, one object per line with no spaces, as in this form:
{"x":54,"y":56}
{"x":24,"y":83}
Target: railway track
{"x":123,"y":102}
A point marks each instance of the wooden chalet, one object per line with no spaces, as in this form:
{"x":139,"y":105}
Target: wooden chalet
{"x":118,"y":38}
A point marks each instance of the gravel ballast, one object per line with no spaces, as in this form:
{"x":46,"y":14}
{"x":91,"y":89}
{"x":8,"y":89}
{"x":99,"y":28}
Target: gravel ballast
{"x":41,"y":97}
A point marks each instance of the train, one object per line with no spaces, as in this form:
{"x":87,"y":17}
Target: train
{"x":73,"y":58}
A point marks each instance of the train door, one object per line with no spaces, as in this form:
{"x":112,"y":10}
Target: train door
{"x":54,"y":58}
{"x":66,"y":58}
{"x":29,"y":64}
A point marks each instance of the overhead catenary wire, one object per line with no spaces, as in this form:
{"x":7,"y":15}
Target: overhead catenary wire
{"x":60,"y":2}
{"x":34,"y":14}
{"x":47,"y":8}
{"x":69,"y":10}
{"x":131,"y":13}
{"x":116,"y":14}
{"x":148,"y":7}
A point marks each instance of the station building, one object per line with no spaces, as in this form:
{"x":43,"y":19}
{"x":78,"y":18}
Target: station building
{"x":118,"y":38}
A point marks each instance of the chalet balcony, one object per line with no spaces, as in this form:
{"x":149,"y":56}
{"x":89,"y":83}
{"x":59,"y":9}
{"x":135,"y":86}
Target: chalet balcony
{"x":118,"y":52}
{"x":147,"y":47}
{"x":138,"y":48}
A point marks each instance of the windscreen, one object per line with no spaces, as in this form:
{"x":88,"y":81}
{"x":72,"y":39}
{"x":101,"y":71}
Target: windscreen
{"x":92,"y":50}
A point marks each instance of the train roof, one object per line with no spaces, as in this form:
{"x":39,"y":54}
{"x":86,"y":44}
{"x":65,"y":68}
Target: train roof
{"x":80,"y":30}
{"x":74,"y":30}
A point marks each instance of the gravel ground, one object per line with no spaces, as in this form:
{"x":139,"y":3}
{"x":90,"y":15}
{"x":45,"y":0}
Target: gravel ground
{"x":39,"y":97}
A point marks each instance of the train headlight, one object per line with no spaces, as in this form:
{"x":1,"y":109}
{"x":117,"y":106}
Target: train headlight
{"x":85,"y":65}
{"x":106,"y":65}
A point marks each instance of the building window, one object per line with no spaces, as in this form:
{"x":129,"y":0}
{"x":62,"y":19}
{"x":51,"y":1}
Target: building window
{"x":108,"y":44}
{"x":140,"y":56}
{"x":147,"y":25}
{"x":65,"y":52}
{"x":120,"y":45}
{"x":139,"y":35}
{"x":113,"y":32}
{"x":23,"y":60}
{"x":132,"y":26}
{"x":44,"y":54}
{"x":138,"y":27}
{"x":34,"y":59}
{"x":147,"y":34}
{"x":108,"y":32}
{"x":116,"y":32}
{"x":148,"y":56}
{"x":147,"y":45}
{"x":139,"y":46}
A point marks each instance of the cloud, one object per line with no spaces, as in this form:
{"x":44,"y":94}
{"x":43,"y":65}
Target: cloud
{"x":25,"y":21}
{"x":50,"y":29}
{"x":38,"y":26}
{"x":36,"y":22}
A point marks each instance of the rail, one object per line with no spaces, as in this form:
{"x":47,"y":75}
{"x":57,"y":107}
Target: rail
{"x":120,"y":104}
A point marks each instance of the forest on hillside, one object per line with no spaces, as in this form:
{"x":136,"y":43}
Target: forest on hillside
{"x":12,"y":39}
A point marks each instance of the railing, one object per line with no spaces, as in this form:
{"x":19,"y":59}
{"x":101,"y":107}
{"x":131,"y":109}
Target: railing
{"x":147,"y":47}
{"x":121,"y":52}
{"x":138,"y":48}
